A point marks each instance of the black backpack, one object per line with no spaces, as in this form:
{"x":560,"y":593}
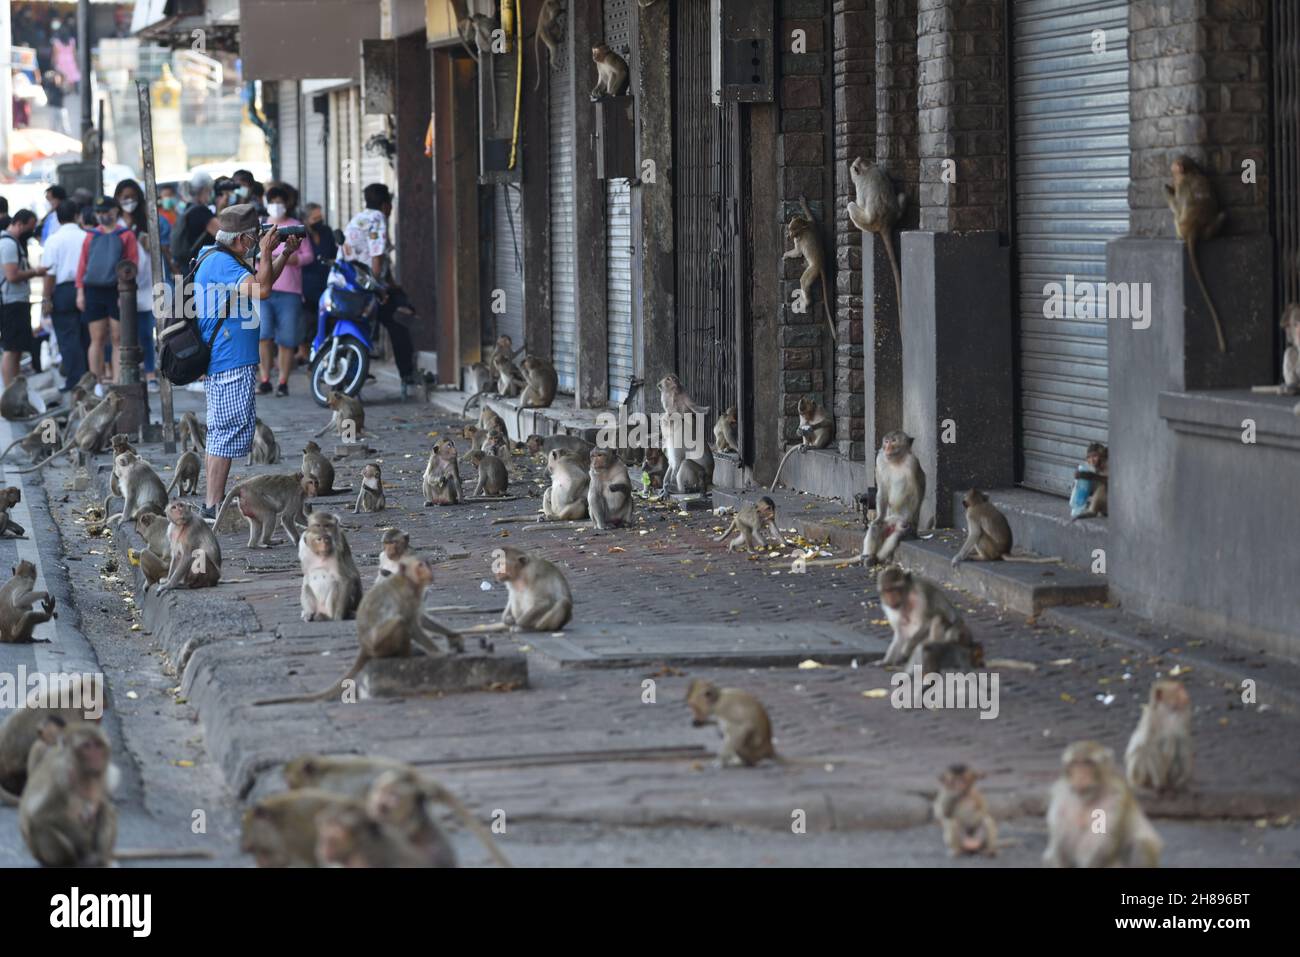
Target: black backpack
{"x":183,"y":356}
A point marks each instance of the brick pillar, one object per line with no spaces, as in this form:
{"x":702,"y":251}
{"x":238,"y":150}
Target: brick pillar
{"x":855,"y":128}
{"x":802,"y":170}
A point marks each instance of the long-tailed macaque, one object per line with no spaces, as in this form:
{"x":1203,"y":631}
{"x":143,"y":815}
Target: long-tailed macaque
{"x":196,"y":553}
{"x":988,"y":533}
{"x":66,"y":816}
{"x":539,"y":596}
{"x":1159,"y":754}
{"x":17,"y":616}
{"x":550,"y":19}
{"x":928,"y":629}
{"x":92,"y":432}
{"x":609,"y":490}
{"x":802,"y":231}
{"x":743,"y":722}
{"x":268,"y":499}
{"x":1093,"y":819}
{"x":962,"y":812}
{"x":877,"y":210}
{"x":900,"y":484}
{"x":1197,"y":217}
{"x":441,"y":483}
{"x":753,"y":522}
{"x":566,"y":497}
{"x":611,"y":72}
{"x":186,"y":474}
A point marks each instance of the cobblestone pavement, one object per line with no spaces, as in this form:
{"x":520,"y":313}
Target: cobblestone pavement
{"x":566,"y":759}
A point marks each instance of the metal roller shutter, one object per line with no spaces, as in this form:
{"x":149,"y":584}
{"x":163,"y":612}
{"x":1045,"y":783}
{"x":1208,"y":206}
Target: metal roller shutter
{"x":564,"y":319}
{"x":374,"y":167}
{"x":1071,"y":196}
{"x":289,"y":131}
{"x":314,"y":149}
{"x":618,"y":233}
{"x":507,"y":266}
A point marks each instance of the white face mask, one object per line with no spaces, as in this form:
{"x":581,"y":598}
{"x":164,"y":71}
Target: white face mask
{"x":129,"y":205}
{"x":275,"y":210}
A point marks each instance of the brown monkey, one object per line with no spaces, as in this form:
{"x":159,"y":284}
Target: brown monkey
{"x":962,"y":812}
{"x":1093,"y":819}
{"x":802,"y":231}
{"x":441,"y":483}
{"x":350,"y":775}
{"x":489,"y":421}
{"x":566,"y":498}
{"x":400,"y":797}
{"x":493,"y":478}
{"x":265,"y":450}
{"x":315,"y":464}
{"x":539,"y":596}
{"x":550,"y":20}
{"x":186,"y":474}
{"x":673,"y":429}
{"x":44,"y":440}
{"x":1290,"y":357}
{"x":142,"y":489}
{"x":48,"y":735}
{"x":17,"y":617}
{"x":121,"y":443}
{"x":655,"y":466}
{"x":1159,"y":754}
{"x":1197,"y":217}
{"x":742,"y":720}
{"x":196,"y":553}
{"x":269,"y":499}
{"x":877,"y":210}
{"x":92,"y":432}
{"x":474,"y":436}
{"x":497,"y":444}
{"x":389,"y":621}
{"x":370,"y":491}
{"x":900,"y":483}
{"x":724,"y":432}
{"x":753,"y":521}
{"x":609,"y":490}
{"x":510,"y":381}
{"x":1092,"y":481}
{"x":66,"y":817}
{"x":815,"y":430}
{"x":569,"y":443}
{"x":193,"y":433}
{"x":325,"y":592}
{"x":476,"y":37}
{"x":347,"y":836}
{"x":394,"y":545}
{"x":280,"y":829}
{"x":349,"y":416}
{"x":928,"y":629}
{"x":611,"y":72}
{"x":155,"y":558}
{"x":540,"y":384}
{"x":988,"y":533}
{"x":9,"y":497}
{"x":15,"y":405}
{"x":327,"y":523}
{"x":23,"y":726}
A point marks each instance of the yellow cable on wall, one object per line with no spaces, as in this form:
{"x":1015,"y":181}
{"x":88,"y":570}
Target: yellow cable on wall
{"x":508,"y":8}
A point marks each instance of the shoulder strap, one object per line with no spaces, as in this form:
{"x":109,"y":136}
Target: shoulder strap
{"x":5,"y":234}
{"x":221,"y":312}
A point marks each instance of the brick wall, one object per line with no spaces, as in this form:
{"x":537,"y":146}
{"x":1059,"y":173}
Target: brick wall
{"x":803,"y":96}
{"x":896,"y":116}
{"x":1198,"y":84}
{"x":962,"y":75}
{"x":855,"y":135}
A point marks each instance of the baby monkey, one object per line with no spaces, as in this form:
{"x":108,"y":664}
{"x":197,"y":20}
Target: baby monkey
{"x":962,"y":812}
{"x":394,"y":545}
{"x":1159,"y":754}
{"x":742,"y":720}
{"x":754,"y":522}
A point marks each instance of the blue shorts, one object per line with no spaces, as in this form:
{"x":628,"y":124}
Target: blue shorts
{"x":101,"y":303}
{"x":282,"y":319}
{"x":232,"y":411}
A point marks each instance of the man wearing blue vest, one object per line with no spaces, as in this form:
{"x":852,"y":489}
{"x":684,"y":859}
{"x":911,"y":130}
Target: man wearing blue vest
{"x":227,"y":288}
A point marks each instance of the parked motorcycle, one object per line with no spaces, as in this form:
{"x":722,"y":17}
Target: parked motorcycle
{"x":345,"y":323}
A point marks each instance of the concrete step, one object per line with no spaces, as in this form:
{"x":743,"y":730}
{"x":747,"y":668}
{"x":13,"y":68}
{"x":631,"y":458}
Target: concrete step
{"x":1020,"y":586}
{"x":1040,"y":524}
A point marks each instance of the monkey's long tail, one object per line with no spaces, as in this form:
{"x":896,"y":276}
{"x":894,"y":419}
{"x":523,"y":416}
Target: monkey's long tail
{"x":464,"y":412}
{"x":1032,"y":559}
{"x":10,"y":446}
{"x":888,"y":237}
{"x":162,"y":854}
{"x":175,"y":480}
{"x":221,"y":512}
{"x":1214,"y":313}
{"x":7,"y":799}
{"x":472,"y":823}
{"x":332,"y":691}
{"x":776,"y":478}
{"x":63,"y":451}
{"x":826,"y":304}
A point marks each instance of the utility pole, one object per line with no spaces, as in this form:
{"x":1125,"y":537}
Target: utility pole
{"x":83,"y":63}
{"x":160,"y":319}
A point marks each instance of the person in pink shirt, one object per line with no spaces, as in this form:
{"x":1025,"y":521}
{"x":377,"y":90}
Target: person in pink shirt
{"x":282,"y":312}
{"x":104,"y":247}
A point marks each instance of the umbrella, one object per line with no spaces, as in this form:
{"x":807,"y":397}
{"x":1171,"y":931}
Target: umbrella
{"x":28,"y":144}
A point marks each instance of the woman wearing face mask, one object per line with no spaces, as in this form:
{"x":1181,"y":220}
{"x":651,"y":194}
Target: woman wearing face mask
{"x":282,"y":313}
{"x":15,"y":292}
{"x":130,"y":197}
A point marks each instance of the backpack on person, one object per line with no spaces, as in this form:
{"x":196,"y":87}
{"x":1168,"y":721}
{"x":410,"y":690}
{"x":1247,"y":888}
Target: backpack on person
{"x":183,"y":355}
{"x":22,"y":256}
{"x":103,"y":256}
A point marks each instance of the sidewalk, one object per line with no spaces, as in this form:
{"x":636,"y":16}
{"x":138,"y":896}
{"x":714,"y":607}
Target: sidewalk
{"x":662,"y":602}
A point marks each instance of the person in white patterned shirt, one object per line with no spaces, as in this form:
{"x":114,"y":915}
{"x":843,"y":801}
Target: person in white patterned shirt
{"x":366,"y":242}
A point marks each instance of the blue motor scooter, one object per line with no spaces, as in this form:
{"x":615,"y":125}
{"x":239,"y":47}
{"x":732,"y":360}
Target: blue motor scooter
{"x":345,"y":320}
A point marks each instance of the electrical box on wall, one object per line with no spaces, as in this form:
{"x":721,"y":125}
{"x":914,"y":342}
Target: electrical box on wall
{"x":615,"y":138}
{"x":497,"y":118}
{"x":742,"y":54}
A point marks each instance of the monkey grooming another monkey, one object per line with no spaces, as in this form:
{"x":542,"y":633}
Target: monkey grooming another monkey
{"x":265,"y":450}
{"x":928,"y":630}
{"x":877,"y":210}
{"x":92,"y":432}
{"x":753,"y":521}
{"x":741,"y":719}
{"x":266,"y":500}
{"x":549,"y":26}
{"x":370,"y":491}
{"x":611,"y":72}
{"x":392,"y":547}
{"x":441,"y":481}
{"x":155,"y":557}
{"x":802,"y":231}
{"x":609,"y":490}
{"x":196,"y":553}
{"x":1197,"y":217}
{"x":1091,"y":789}
{"x":988,"y":534}
{"x":349,"y":416}
{"x":493,"y":477}
{"x":900,"y":485}
{"x":17,"y":617}
{"x":962,"y":812}
{"x":66,"y":817}
{"x":390,"y":621}
{"x":9,"y":497}
{"x":186,"y":474}
{"x":1159,"y":754}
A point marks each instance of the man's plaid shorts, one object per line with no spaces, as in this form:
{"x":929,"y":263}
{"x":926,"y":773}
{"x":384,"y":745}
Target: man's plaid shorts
{"x":232,"y":411}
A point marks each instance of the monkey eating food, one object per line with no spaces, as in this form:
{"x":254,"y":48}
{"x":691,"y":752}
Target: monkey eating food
{"x":741,"y":719}
{"x":17,"y":617}
{"x":1090,"y":495}
{"x":928,"y":630}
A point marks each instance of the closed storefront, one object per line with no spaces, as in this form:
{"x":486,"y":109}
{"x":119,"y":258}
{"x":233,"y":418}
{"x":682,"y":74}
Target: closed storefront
{"x":618,"y":231}
{"x":508,"y":264}
{"x":290,"y":132}
{"x":314,"y":148}
{"x":1071,"y":180}
{"x":564,"y":322}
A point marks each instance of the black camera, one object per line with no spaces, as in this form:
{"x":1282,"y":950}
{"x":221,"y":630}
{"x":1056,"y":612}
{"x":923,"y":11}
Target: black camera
{"x":285,"y":231}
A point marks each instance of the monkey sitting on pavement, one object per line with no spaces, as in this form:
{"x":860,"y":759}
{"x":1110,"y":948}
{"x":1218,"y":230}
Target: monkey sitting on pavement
{"x":493,"y":477}
{"x":928,"y":630}
{"x":9,"y":497}
{"x":349,"y":416}
{"x":609,"y":490}
{"x":900,"y":483}
{"x":815,"y":430}
{"x":370,"y":493}
{"x":392,"y":547}
{"x":265,"y":449}
{"x":539,"y":596}
{"x":1089,"y":497}
{"x":962,"y":812}
{"x":66,"y":816}
{"x":1159,"y":754}
{"x":23,"y":727}
{"x":441,"y":483}
{"x":1091,"y":789}
{"x":742,"y":720}
{"x":195,"y":551}
{"x":988,"y":533}
{"x":321,"y":469}
{"x":17,"y":617}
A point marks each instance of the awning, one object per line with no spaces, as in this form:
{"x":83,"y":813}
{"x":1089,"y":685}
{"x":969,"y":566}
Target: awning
{"x":305,"y":39}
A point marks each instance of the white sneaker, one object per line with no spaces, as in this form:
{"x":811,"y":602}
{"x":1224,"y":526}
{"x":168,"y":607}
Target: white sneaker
{"x":153,"y":385}
{"x":195,"y":387}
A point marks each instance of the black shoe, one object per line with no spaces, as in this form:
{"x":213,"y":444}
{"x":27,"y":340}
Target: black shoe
{"x":264,"y":388}
{"x":282,"y":390}
{"x":209,"y":513}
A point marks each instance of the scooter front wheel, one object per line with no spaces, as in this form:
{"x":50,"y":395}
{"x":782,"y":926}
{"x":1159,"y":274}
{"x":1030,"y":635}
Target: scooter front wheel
{"x":344,"y":368}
